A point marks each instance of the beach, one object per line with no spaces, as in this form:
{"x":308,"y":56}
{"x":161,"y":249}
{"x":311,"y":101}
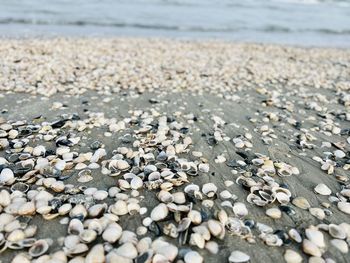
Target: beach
{"x":164,"y":150}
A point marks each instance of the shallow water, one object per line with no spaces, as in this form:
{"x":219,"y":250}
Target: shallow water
{"x":301,"y":22}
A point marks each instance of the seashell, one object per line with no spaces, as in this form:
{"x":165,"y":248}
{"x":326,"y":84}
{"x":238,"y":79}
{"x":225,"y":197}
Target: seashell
{"x":203,"y":231}
{"x":336,"y":231}
{"x":212,"y":247}
{"x":344,"y":207}
{"x":179,"y":198}
{"x":274,"y":213}
{"x":216,"y":228}
{"x":64,"y":209}
{"x":87,"y":236}
{"x":240,"y":209}
{"x":112,"y":233}
{"x":317,"y":212}
{"x":78,"y":211}
{"x":191,"y":188}
{"x":290,"y":256}
{"x":85,"y":176}
{"x":22,"y":187}
{"x":195,"y":217}
{"x":165,"y":197}
{"x":136,"y":183}
{"x":197,"y":240}
{"x":311,"y":249}
{"x":75,"y":227}
{"x":322,"y":189}
{"x":193,"y":257}
{"x":39,"y":248}
{"x":315,"y":237}
{"x":209,"y":189}
{"x":225,"y":195}
{"x":100,"y":195}
{"x":238,"y":256}
{"x":203,"y":167}
{"x":16,"y":235}
{"x":30,"y":231}
{"x":133,"y":208}
{"x":21,"y":258}
{"x":341,"y":245}
{"x":119,"y":208}
{"x":301,"y":202}
{"x":6,"y":176}
{"x":26,"y":209}
{"x":166,"y":249}
{"x":39,"y":150}
{"x":159,"y":212}
{"x":127,"y":250}
{"x":294,"y":234}
{"x":96,"y":254}
{"x":96,"y":226}
{"x":97,"y":210}
{"x":79,"y":249}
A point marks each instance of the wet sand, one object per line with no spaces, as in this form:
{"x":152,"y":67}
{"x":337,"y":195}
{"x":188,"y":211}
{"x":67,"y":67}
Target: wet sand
{"x":293,"y":91}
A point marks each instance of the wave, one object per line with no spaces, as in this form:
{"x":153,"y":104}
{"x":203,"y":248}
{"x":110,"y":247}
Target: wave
{"x":267,"y":28}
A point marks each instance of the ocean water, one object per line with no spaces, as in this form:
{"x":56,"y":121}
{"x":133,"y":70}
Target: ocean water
{"x":295,"y":22}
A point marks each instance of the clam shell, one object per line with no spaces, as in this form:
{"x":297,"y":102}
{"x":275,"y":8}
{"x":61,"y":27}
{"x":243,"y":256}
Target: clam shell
{"x":112,"y":233}
{"x":38,"y":248}
{"x":159,"y":212}
{"x":344,"y":207}
{"x":209,"y":189}
{"x":315,"y":237}
{"x":240,"y":209}
{"x":311,"y":249}
{"x":193,"y":257}
{"x":96,"y":254}
{"x":6,"y":176}
{"x":322,"y":189}
{"x":336,"y":231}
{"x":291,"y":256}
{"x":238,"y":256}
{"x":127,"y":250}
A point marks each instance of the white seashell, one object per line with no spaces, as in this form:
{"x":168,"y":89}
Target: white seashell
{"x":195,"y":217}
{"x":136,"y":183}
{"x":344,"y":207}
{"x":179,"y":198}
{"x":203,"y":167}
{"x":193,"y":257}
{"x":238,"y":256}
{"x":212,"y":247}
{"x":216,"y":228}
{"x":336,"y":231}
{"x":339,"y":154}
{"x":322,"y":189}
{"x":294,"y":234}
{"x":60,"y":165}
{"x":96,"y":254}
{"x":197,"y":240}
{"x":341,"y":245}
{"x":127,"y":250}
{"x":290,"y":256}
{"x":311,"y":249}
{"x":315,"y":237}
{"x":274,"y":213}
{"x":209,"y":189}
{"x":112,"y":233}
{"x":317,"y":212}
{"x":6,"y":176}
{"x":240,"y":209}
{"x":119,"y":208}
{"x":159,"y":212}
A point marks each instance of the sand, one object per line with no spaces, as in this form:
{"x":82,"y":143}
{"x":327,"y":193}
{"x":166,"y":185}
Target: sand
{"x":236,"y":82}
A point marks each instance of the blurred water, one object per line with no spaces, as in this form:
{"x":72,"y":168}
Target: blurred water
{"x":302,"y":22}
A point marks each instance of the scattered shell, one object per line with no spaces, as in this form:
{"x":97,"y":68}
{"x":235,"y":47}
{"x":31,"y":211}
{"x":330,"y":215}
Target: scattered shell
{"x":238,"y":256}
{"x":322,"y":189}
